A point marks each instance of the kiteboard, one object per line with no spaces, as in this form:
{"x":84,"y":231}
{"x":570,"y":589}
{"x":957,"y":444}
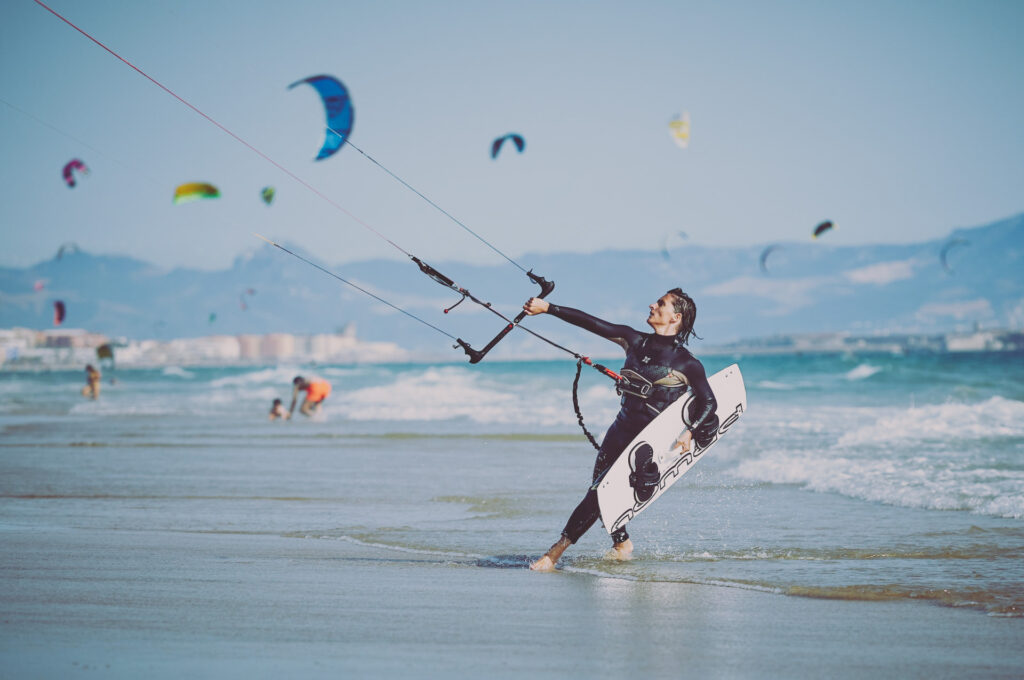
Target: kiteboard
{"x":625,"y":491}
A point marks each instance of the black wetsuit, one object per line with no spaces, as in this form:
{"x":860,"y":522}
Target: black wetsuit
{"x":672,"y":370}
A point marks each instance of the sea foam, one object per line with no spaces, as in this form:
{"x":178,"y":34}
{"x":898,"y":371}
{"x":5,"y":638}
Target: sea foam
{"x":863,"y":371}
{"x":952,"y":421}
{"x":928,"y":482}
{"x":444,"y":393}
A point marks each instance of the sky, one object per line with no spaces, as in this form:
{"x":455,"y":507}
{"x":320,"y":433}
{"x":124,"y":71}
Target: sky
{"x":899,"y":121}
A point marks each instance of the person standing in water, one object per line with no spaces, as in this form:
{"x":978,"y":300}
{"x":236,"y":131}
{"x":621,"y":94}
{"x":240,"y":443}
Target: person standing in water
{"x":92,"y":382}
{"x":316,"y":391}
{"x":665,"y":369}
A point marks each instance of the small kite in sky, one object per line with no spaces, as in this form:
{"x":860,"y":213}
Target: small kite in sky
{"x":764,"y":257}
{"x":268,"y":195}
{"x":241,"y":298}
{"x":106,"y":351}
{"x":516,"y":139}
{"x":822,"y":228}
{"x":69,"y":171}
{"x":944,"y":253}
{"x":194,"y":191}
{"x":59,"y":312}
{"x":69,"y":247}
{"x":337,"y":107}
{"x":672,"y":241}
{"x":679,"y":128}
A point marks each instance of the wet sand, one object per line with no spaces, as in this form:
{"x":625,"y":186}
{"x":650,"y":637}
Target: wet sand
{"x":172,"y":604}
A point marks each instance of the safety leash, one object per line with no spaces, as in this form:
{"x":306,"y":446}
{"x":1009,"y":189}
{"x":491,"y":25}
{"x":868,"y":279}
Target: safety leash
{"x":576,"y":404}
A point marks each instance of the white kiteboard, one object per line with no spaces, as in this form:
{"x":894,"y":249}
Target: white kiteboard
{"x":619,"y":495}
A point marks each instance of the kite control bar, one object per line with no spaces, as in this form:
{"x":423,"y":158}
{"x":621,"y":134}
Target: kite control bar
{"x":475,"y":356}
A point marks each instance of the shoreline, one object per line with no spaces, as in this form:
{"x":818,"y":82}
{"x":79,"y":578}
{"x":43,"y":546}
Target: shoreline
{"x":255,"y":605}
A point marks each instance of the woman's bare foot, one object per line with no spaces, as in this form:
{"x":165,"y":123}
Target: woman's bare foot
{"x":621,"y":551}
{"x":547,"y":563}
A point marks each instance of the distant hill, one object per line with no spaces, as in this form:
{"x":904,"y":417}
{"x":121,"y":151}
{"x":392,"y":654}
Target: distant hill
{"x":808,"y":287}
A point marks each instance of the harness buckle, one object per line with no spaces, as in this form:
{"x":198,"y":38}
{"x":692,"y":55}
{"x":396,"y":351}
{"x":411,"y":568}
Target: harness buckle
{"x":633,"y":384}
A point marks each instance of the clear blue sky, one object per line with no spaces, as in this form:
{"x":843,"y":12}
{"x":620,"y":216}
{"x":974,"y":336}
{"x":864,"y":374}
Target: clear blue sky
{"x":900,"y":121}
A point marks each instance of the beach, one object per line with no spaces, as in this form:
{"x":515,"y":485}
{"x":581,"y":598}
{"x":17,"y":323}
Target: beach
{"x":168,"y":528}
{"x":230,"y":605}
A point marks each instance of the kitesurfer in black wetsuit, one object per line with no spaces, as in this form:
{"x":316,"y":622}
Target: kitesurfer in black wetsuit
{"x":660,"y":370}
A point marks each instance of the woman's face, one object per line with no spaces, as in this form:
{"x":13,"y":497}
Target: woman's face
{"x":663,"y":315}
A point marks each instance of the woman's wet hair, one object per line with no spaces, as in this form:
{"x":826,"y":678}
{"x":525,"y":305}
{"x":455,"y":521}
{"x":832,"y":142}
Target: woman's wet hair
{"x":684,"y":305}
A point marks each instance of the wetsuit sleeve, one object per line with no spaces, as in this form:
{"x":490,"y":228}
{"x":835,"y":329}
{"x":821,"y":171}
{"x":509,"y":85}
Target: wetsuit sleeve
{"x":705,"y":403}
{"x":621,"y":335}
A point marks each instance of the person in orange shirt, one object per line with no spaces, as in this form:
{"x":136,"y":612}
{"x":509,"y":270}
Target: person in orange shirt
{"x":316,"y":391}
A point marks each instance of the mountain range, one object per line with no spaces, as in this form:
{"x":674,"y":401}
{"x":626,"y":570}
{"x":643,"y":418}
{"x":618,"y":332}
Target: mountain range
{"x":973,"y":277}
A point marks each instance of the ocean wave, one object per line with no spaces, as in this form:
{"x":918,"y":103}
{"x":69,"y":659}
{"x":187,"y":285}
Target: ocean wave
{"x":446,"y":393}
{"x":280,"y":375}
{"x":373,"y":540}
{"x":489,"y":506}
{"x":514,"y":398}
{"x":863,"y":371}
{"x":774,"y":385}
{"x":344,"y":372}
{"x":993,"y":599}
{"x":930,"y":483}
{"x":993,"y":418}
{"x":1005,"y":602}
{"x":977,"y":551}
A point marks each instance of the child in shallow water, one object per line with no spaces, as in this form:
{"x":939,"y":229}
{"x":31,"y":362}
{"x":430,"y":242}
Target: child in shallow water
{"x":277,"y":410}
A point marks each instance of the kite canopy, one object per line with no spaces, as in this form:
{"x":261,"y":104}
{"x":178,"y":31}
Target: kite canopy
{"x":338,"y":108}
{"x":106,"y":352}
{"x":268,"y":195}
{"x":69,"y":169}
{"x":194,"y":191}
{"x":59,"y":312}
{"x":516,"y":139}
{"x":679,"y":128}
{"x":953,"y":243}
{"x":241,"y":298}
{"x":764,"y":257}
{"x":69,"y":247}
{"x":672,"y":241}
{"x":822,"y":228}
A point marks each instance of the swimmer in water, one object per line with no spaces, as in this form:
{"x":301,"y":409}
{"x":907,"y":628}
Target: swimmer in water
{"x":92,"y":382}
{"x":277,"y":411}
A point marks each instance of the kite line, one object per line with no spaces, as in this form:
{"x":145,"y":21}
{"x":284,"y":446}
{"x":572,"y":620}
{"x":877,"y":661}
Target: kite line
{"x":474,"y":355}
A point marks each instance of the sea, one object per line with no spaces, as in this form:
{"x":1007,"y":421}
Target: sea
{"x":891,"y":478}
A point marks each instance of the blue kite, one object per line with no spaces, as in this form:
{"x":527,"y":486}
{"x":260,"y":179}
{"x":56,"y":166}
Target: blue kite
{"x":338,"y":107}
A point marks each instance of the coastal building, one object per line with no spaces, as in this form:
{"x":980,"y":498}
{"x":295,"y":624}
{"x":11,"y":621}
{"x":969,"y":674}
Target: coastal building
{"x":22,"y":348}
